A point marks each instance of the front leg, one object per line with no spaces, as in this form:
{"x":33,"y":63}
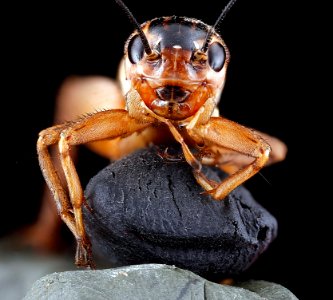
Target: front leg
{"x":220,"y":132}
{"x":102,"y":125}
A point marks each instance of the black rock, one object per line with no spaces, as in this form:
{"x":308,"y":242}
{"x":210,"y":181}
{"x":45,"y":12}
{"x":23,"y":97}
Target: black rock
{"x":149,"y":210}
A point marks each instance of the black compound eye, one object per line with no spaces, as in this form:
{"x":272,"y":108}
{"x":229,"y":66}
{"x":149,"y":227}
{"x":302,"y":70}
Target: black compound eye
{"x":135,"y":50}
{"x":216,"y":56}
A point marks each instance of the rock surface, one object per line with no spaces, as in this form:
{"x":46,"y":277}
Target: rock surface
{"x":149,"y":210}
{"x":147,"y":282}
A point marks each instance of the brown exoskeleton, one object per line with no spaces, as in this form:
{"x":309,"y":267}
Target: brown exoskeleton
{"x":176,"y":67}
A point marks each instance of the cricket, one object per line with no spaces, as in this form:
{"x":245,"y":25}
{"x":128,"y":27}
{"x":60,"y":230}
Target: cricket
{"x":175,"y":70}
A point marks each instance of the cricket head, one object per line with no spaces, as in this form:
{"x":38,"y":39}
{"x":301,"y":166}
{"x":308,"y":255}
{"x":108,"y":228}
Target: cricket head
{"x":176,"y":63}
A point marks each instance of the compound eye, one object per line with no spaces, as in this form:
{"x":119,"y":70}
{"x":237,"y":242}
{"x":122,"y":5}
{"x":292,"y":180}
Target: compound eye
{"x":216,"y":56}
{"x":135,"y":49}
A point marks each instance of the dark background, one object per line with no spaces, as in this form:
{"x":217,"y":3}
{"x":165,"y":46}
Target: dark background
{"x":265,"y":86}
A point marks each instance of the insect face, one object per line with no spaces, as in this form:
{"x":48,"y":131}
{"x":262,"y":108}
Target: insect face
{"x":177,"y":78}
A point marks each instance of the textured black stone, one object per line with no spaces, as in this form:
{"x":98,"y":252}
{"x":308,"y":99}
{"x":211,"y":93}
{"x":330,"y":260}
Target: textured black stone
{"x":149,"y":210}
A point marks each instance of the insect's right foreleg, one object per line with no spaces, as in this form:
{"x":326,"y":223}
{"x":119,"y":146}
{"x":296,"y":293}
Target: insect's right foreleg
{"x":102,"y":125}
{"x":46,"y":139}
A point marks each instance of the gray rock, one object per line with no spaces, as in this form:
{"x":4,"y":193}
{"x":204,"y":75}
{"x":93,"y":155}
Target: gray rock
{"x":146,"y":282}
{"x":148,"y":210}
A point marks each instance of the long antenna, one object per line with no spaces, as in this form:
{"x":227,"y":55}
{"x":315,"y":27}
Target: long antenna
{"x":219,"y":19}
{"x":137,"y":26}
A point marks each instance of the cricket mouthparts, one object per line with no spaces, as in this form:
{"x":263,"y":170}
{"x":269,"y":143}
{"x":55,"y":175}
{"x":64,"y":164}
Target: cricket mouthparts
{"x":172,"y":93}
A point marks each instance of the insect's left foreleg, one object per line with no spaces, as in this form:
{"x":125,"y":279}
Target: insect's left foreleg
{"x":230,"y":135}
{"x":230,"y":161}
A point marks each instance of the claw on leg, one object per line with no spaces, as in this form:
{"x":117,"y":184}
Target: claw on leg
{"x":83,"y":255}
